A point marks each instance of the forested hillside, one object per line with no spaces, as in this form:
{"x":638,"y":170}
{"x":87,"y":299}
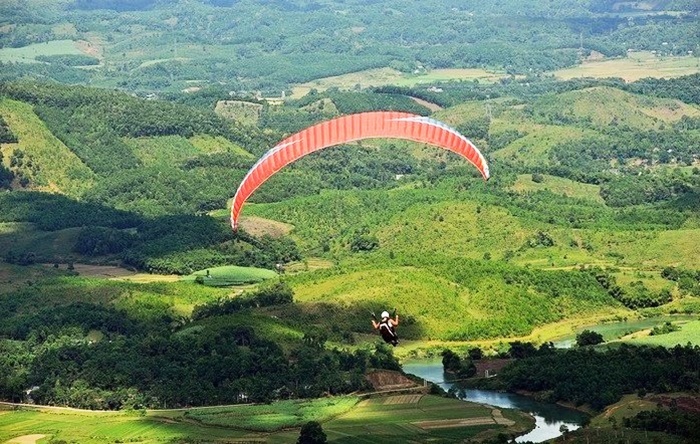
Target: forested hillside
{"x":405,"y":222}
{"x":269,"y":45}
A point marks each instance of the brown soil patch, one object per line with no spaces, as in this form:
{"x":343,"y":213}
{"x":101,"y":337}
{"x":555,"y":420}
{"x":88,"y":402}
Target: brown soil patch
{"x":383,"y":380}
{"x":257,"y":226}
{"x":430,"y":105}
{"x":451,"y":423}
{"x":89,"y":48}
{"x":26,"y":439}
{"x":145,"y":278}
{"x":687,"y":403}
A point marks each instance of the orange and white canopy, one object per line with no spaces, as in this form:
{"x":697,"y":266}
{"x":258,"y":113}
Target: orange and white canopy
{"x":350,"y":128}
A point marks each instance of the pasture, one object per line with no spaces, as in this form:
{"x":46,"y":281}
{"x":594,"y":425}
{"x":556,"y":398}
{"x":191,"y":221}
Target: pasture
{"x":229,"y":275}
{"x":637,"y":65}
{"x":637,"y":330}
{"x":389,"y":76}
{"x":345,"y":419}
{"x":558,"y":185}
{"x":689,"y":333}
{"x":28,"y":54}
{"x":273,"y":417}
{"x":175,"y":150}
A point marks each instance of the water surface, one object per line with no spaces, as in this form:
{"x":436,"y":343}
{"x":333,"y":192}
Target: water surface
{"x":549,"y":418}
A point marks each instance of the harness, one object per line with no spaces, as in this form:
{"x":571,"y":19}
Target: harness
{"x":388,"y":332}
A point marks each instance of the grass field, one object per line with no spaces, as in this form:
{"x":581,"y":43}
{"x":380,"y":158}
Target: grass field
{"x":175,"y":150}
{"x":424,"y":419}
{"x":603,"y":106}
{"x":635,"y":66}
{"x":277,"y":416}
{"x":636,"y":330}
{"x":46,"y":245}
{"x":99,"y":428}
{"x":388,"y":76}
{"x":60,"y":169}
{"x":28,"y":54}
{"x":558,"y":185}
{"x":689,"y":333}
{"x":383,"y":419}
{"x":533,"y":149}
{"x":231,"y":275}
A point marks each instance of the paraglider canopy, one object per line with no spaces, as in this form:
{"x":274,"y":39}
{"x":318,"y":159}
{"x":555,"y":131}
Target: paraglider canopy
{"x":350,"y":128}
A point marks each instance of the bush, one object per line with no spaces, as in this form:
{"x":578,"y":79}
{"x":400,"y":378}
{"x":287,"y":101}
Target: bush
{"x":588,"y":337}
{"x":364,"y":242}
{"x":312,"y":433}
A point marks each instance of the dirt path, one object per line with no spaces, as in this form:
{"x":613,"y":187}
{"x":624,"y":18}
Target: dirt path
{"x":498,"y":417}
{"x":26,"y":439}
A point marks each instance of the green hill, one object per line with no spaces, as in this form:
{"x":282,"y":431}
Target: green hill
{"x":484,"y":250}
{"x":604,"y":106}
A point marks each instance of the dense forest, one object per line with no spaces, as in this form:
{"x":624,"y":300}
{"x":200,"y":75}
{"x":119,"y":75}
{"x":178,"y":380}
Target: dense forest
{"x":142,"y":357}
{"x":600,"y":378}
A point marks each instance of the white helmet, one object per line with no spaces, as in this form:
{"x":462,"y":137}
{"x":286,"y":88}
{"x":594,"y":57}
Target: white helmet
{"x":385,"y":314}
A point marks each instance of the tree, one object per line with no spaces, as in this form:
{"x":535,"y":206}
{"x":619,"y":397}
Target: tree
{"x":364,"y":243}
{"x":312,"y":433}
{"x":588,"y":337}
{"x":475,"y":353}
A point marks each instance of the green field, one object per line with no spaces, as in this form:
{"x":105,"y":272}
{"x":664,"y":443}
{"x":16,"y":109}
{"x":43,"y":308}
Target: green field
{"x":375,"y":420}
{"x":635,"y":66}
{"x":275,"y":417}
{"x":100,"y":428}
{"x":28,"y":54}
{"x":608,"y":424}
{"x":558,"y":185}
{"x":175,"y":150}
{"x":689,"y":333}
{"x":388,"y":76}
{"x":230,"y":275}
{"x":406,"y":418}
{"x":49,"y":163}
{"x":47,"y":246}
{"x":616,"y":331}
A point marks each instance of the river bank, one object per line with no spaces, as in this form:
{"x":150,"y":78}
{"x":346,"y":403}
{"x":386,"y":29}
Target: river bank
{"x":551,"y":419}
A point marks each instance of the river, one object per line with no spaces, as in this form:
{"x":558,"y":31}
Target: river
{"x":549,"y":418}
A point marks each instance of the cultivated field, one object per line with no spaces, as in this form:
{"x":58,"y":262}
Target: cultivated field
{"x":635,"y":66}
{"x":344,"y":420}
{"x":404,"y":419}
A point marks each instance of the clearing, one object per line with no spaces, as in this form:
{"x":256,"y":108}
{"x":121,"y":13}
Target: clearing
{"x":635,"y":66}
{"x":388,"y":76}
